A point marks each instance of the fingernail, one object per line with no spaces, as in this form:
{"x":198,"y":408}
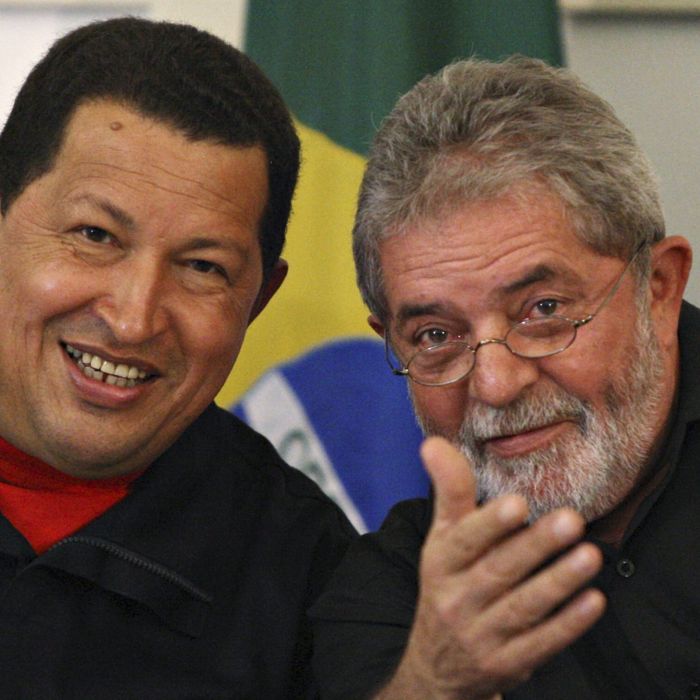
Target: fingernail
{"x":566,"y":527}
{"x":588,"y":603}
{"x":512,"y":512}
{"x":582,"y":561}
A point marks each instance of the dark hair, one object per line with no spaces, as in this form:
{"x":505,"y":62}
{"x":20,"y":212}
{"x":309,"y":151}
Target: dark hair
{"x":177,"y":74}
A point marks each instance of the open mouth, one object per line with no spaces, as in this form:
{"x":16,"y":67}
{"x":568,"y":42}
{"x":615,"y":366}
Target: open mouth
{"x":96,"y":368}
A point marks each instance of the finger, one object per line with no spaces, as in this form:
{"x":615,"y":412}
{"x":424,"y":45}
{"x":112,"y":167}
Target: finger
{"x":527,"y":605}
{"x":455,"y":546}
{"x":514,"y":558}
{"x":452,"y":478}
{"x":534,"y":647}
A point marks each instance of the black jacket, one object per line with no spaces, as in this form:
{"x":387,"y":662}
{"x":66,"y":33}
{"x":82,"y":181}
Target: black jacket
{"x":194,"y":586}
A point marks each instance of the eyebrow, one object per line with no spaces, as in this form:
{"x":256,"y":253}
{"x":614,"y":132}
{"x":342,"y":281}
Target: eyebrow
{"x":540,"y":273}
{"x":409,"y":311}
{"x":116,"y":213}
{"x":121,"y":217}
{"x":204,"y":243}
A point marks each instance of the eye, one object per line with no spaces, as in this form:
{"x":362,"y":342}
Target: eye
{"x":545,"y":307}
{"x":207,"y":267}
{"x":95,"y":234}
{"x":433,"y":336}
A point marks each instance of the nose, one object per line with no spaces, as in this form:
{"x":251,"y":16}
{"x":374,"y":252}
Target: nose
{"x":499,"y":376}
{"x":134,"y":305}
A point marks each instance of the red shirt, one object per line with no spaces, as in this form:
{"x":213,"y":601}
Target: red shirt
{"x":46,"y":505}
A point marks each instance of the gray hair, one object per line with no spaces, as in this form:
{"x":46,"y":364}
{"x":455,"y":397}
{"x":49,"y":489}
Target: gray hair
{"x":477,"y":129}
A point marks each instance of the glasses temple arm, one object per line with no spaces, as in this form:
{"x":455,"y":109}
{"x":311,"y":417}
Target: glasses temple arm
{"x":587,"y":319}
{"x":396,"y":372}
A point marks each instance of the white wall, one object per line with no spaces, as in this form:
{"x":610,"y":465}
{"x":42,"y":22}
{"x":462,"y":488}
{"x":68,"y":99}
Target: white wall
{"x":28,"y":29}
{"x":648,"y":67}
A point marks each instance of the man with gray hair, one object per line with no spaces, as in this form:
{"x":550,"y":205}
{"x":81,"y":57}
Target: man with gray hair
{"x":510,"y":246}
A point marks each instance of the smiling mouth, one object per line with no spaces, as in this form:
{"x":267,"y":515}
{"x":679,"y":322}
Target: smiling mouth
{"x":528,"y":440}
{"x":98,"y":369}
{"x":515,"y":434}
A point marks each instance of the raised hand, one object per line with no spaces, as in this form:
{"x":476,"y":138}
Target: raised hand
{"x":489,"y":610}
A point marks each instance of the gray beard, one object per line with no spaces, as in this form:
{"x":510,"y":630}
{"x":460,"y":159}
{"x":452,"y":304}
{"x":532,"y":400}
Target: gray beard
{"x":592,"y":469}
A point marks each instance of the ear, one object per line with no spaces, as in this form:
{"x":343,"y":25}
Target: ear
{"x":267,"y":291}
{"x":376,"y":325}
{"x":671,"y":259}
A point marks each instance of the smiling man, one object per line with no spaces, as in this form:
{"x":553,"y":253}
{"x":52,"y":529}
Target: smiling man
{"x":510,"y":246}
{"x":151,"y":546}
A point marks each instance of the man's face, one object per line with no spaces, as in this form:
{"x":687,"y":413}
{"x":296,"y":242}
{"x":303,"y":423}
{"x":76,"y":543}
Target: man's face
{"x":570,"y":429}
{"x":136,"y":255}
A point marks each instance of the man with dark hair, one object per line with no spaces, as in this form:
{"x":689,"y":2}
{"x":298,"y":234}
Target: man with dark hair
{"x":511,"y":248}
{"x":151,"y":545}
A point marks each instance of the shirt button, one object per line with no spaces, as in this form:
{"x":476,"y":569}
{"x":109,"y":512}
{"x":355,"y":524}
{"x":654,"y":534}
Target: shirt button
{"x":694,"y":691}
{"x":626,"y":568}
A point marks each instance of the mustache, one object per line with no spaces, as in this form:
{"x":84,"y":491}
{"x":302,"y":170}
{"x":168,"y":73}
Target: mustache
{"x":529,"y":412}
{"x":98,"y":331}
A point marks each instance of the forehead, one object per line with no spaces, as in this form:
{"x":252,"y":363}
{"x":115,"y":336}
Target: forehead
{"x":484,"y":248}
{"x":113,"y":146}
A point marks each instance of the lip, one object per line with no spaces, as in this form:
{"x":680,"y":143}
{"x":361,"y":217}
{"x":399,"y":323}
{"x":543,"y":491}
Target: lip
{"x":100,"y":394}
{"x":522,"y":443}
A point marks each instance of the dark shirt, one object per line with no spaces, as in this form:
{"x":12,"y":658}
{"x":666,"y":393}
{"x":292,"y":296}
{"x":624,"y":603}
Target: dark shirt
{"x":645,"y":647}
{"x":193,"y":586}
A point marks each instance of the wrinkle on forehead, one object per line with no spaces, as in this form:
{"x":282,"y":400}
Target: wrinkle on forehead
{"x":444,"y":250}
{"x":136,"y":151}
{"x":134,"y":178}
{"x":486,"y":248}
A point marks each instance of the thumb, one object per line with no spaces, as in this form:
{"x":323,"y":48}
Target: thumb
{"x":453,"y":480}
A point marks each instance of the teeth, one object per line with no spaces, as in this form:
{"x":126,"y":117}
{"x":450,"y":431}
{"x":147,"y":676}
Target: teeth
{"x":107,"y":367}
{"x":95,"y":367}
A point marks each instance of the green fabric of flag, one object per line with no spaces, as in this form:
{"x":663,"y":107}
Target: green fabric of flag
{"x":341,"y":64}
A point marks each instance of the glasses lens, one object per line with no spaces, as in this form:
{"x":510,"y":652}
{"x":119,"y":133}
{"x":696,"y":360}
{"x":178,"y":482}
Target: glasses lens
{"x":541,"y":336}
{"x":441,"y":364}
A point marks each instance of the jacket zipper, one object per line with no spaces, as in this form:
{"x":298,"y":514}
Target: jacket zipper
{"x":137,"y":560}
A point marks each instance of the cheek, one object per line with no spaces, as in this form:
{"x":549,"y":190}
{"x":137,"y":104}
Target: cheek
{"x":211,"y":339}
{"x":53,"y":293}
{"x":441,"y":409}
{"x":586,"y":369}
{"x":36,"y":292}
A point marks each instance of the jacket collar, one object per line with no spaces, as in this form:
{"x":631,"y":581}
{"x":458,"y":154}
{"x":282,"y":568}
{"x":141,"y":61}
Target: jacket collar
{"x":689,"y":376}
{"x":164,"y":543}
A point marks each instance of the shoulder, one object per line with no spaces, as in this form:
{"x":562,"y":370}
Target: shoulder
{"x":363,"y":617}
{"x":225,"y":440}
{"x":689,"y":325}
{"x":221,"y":453}
{"x":379,"y":574}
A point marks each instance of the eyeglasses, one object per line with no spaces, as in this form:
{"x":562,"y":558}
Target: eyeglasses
{"x":533,"y":338}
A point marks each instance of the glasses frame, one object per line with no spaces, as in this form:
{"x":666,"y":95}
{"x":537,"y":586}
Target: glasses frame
{"x":576,"y":324}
